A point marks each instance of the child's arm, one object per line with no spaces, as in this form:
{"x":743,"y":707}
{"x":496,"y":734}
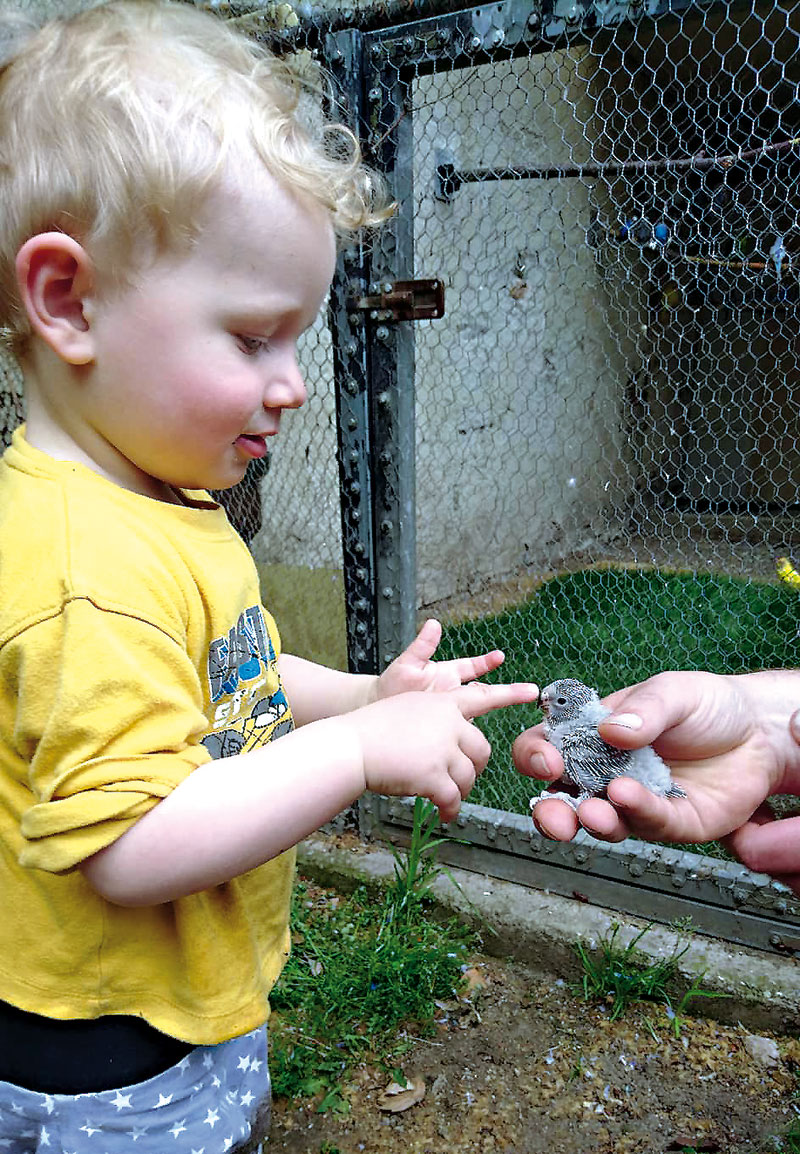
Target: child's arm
{"x":731,"y":741}
{"x":231,"y":815}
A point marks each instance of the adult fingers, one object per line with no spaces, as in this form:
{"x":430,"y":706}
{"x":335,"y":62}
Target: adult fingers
{"x":652,"y":817}
{"x":534,"y":756}
{"x":555,"y":819}
{"x":641,"y":713}
{"x":477,"y":699}
{"x":768,"y":845}
{"x":794,"y":725}
{"x":601,"y":820}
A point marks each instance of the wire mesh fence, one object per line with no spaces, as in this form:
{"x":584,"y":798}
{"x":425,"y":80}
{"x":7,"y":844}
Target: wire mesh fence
{"x":604,"y":465}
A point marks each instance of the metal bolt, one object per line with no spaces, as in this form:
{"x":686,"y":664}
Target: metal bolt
{"x":385,"y":459}
{"x":389,"y":657}
{"x":382,"y":333}
{"x":678,"y":880}
{"x":353,"y":456}
{"x":387,"y":592}
{"x":534,"y":20}
{"x":497,"y":37}
{"x":775,"y":940}
{"x":355,"y":515}
{"x":386,"y":526}
{"x":361,"y":628}
{"x":374,"y":94}
{"x":353,"y":318}
{"x":359,"y":548}
{"x":360,"y":654}
{"x":475,"y":43}
{"x":384,"y":398}
{"x":376,"y":50}
{"x":352,"y":423}
{"x":337,"y":55}
{"x":361,"y":574}
{"x":351,"y":387}
{"x":355,"y":489}
{"x":408,"y":43}
{"x":581,"y":855}
{"x":361,"y":605}
{"x":351,"y":348}
{"x":636,"y":868}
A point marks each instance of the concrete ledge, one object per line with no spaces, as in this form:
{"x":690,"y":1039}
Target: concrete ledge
{"x":541,"y":929}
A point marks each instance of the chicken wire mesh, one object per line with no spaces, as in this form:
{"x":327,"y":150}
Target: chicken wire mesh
{"x":590,"y":457}
{"x":613,"y":212}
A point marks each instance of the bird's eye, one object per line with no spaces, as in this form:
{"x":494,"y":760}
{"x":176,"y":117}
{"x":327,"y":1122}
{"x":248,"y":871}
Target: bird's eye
{"x":561,"y":701}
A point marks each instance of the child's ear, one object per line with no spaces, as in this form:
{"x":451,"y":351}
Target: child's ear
{"x":55,"y":278}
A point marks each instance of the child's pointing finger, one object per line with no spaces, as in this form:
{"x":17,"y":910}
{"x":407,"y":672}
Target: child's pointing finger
{"x":477,"y":698}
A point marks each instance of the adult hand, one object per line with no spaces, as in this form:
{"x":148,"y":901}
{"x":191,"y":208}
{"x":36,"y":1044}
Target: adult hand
{"x":727,"y":741}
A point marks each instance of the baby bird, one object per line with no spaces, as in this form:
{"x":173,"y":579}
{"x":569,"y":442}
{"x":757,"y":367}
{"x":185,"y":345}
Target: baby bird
{"x":572,"y":711}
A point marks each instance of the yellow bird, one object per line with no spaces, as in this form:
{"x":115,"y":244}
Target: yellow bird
{"x":787,"y":572}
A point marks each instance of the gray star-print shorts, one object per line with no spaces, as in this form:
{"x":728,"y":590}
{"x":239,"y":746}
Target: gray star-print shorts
{"x":215,"y":1099}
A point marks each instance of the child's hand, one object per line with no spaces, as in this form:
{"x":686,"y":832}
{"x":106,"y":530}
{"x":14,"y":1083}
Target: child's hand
{"x":414,"y":671}
{"x":424,"y":744}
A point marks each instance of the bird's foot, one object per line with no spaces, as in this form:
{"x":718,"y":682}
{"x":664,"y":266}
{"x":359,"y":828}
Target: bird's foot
{"x":559,"y":794}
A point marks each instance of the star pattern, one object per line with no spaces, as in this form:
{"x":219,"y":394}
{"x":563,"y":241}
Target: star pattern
{"x":205,"y":1104}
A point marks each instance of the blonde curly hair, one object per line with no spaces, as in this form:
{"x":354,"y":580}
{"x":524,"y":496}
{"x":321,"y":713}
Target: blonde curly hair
{"x":115,"y":124}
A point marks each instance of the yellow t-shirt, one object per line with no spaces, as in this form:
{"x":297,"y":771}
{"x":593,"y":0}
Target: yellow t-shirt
{"x":133,"y":648}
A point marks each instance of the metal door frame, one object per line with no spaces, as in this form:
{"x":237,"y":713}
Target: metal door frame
{"x":374,"y":367}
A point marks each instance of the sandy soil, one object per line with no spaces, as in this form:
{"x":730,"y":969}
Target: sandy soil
{"x":522,"y":1066}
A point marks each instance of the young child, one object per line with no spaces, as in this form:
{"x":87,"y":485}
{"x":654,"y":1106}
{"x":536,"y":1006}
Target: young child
{"x":167,"y":228}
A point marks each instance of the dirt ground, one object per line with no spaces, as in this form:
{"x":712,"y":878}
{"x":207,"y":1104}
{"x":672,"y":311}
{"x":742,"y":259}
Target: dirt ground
{"x":524,"y":1067}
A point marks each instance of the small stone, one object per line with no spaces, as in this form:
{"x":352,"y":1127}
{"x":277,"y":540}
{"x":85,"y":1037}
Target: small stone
{"x":762,"y":1050}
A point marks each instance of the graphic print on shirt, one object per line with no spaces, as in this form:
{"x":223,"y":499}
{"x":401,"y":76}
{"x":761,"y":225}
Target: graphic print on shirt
{"x":249,"y":706}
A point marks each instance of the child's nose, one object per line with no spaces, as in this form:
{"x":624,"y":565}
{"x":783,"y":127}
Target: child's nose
{"x":286,"y":388}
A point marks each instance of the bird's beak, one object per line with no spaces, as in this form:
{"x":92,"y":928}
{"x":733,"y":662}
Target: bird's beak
{"x":544,"y":703}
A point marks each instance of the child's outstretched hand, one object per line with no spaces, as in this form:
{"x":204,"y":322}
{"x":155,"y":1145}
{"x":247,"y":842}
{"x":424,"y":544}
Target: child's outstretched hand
{"x":425,"y":745}
{"x":415,"y":671}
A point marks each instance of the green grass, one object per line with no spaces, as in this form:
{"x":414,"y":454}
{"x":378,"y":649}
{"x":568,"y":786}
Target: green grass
{"x":360,"y":975}
{"x":611,"y":628}
{"x":620,"y":975}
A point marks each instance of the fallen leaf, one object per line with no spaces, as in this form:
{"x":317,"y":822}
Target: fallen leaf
{"x":475,"y":979}
{"x":396,"y":1098}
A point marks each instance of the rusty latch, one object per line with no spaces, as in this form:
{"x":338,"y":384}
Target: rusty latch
{"x":404,"y":300}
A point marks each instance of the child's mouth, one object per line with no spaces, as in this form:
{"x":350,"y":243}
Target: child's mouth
{"x":255,"y":447}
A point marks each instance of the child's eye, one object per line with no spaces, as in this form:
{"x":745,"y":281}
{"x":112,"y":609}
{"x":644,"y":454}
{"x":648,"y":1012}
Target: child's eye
{"x":250,"y":345}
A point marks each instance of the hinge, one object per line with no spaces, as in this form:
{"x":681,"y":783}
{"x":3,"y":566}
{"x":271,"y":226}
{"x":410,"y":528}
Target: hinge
{"x":403,"y":300}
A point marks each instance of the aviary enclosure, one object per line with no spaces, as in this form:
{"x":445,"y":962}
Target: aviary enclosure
{"x":567,"y":396}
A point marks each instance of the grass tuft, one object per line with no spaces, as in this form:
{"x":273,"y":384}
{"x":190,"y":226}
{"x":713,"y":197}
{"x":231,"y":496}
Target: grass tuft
{"x":621,"y":975}
{"x":358,"y":977}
